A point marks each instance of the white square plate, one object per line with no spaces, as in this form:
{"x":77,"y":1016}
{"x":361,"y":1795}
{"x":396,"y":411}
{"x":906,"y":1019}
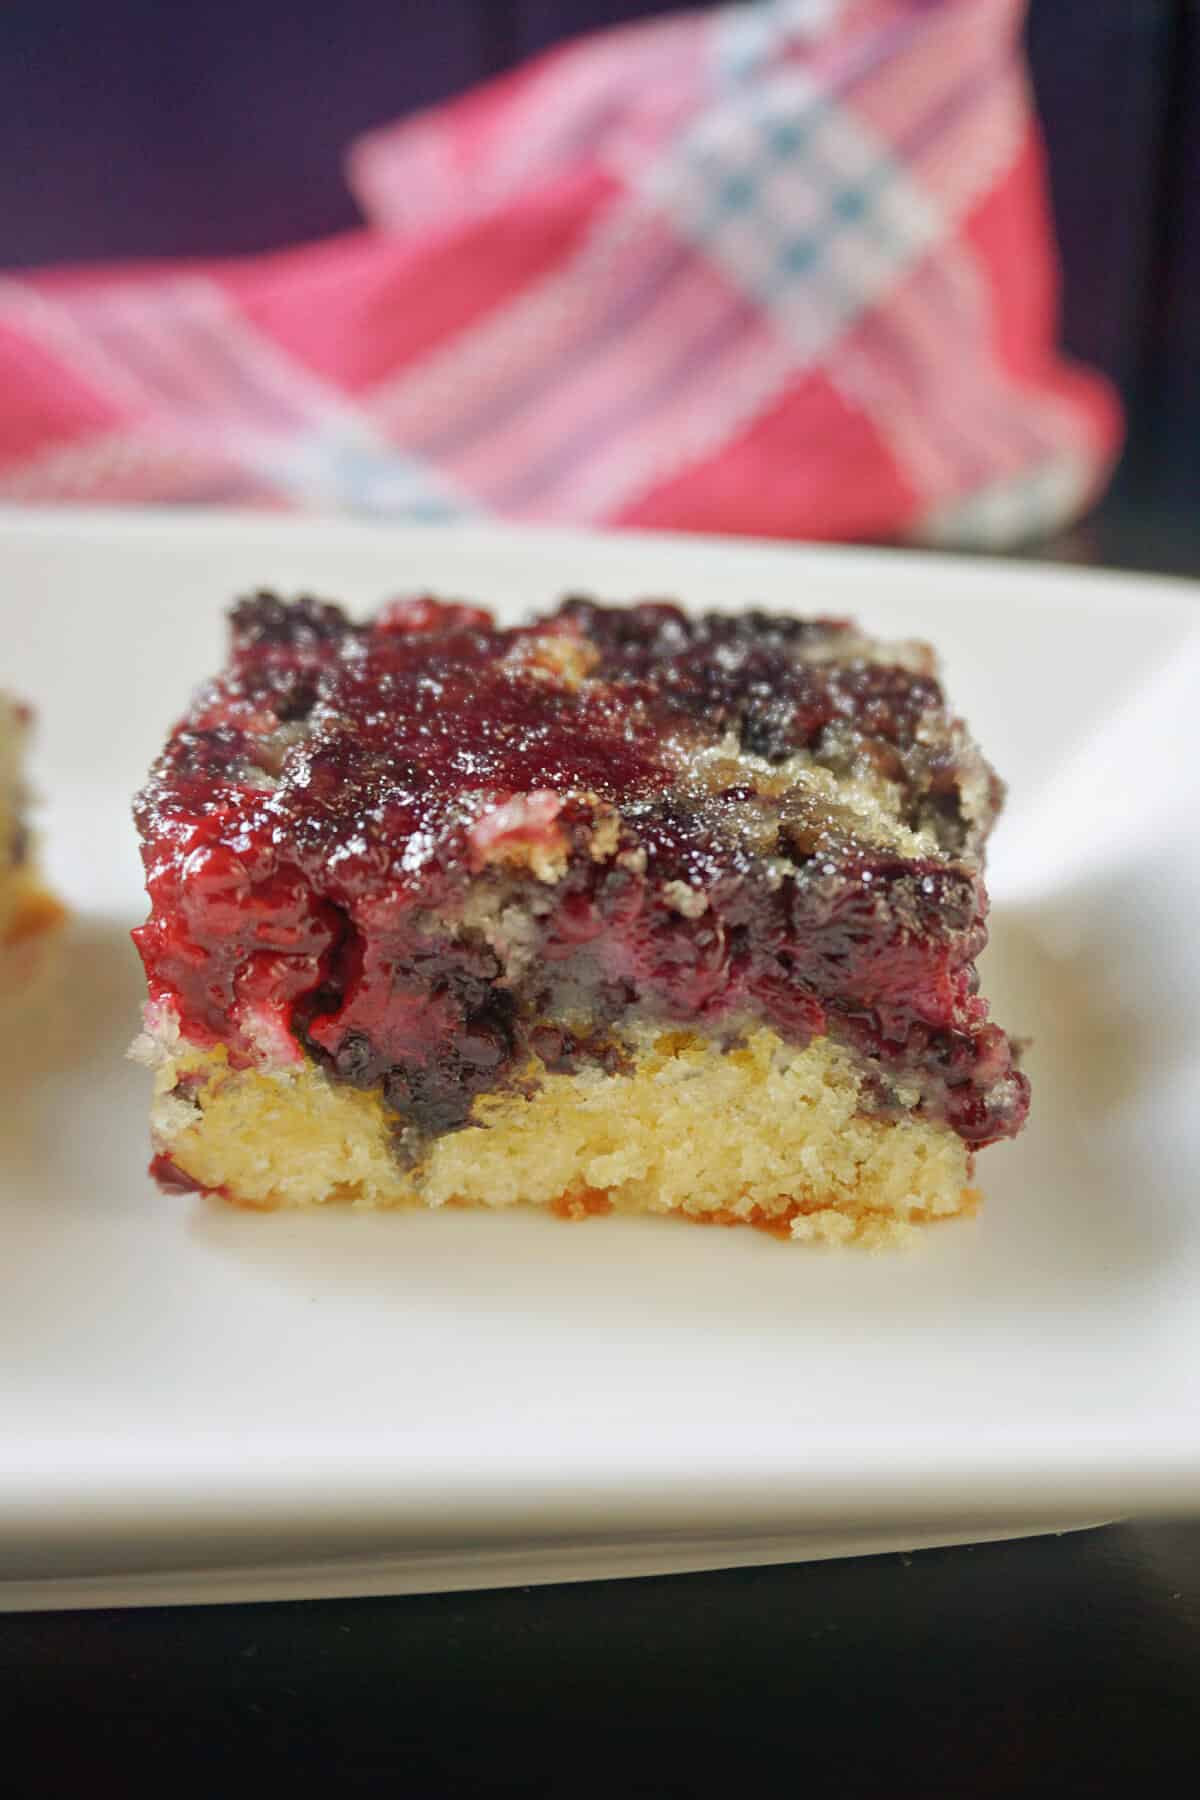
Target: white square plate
{"x":198,"y":1403}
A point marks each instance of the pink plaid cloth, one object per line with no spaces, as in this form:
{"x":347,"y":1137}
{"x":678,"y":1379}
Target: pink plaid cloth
{"x":783,"y":269}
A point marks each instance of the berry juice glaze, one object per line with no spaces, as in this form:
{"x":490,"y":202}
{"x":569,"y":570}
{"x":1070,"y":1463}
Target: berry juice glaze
{"x":425,"y":850}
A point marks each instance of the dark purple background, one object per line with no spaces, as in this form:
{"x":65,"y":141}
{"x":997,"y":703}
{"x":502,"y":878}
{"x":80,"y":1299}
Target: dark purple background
{"x":134,"y":127}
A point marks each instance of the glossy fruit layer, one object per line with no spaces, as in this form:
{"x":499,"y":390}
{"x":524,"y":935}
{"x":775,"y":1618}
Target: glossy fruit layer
{"x":428,"y":850}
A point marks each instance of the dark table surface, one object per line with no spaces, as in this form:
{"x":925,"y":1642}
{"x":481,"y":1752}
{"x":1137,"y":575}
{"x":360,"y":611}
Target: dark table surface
{"x":1068,"y":1663}
{"x":1065,"y":1664}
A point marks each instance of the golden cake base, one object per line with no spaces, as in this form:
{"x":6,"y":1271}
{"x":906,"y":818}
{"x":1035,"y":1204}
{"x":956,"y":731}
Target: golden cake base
{"x":765,"y":1135}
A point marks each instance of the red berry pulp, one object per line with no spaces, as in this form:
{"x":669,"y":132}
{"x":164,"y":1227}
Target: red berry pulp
{"x":426,"y":849}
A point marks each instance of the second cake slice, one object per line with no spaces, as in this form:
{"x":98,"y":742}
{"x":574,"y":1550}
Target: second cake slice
{"x":27,"y":911}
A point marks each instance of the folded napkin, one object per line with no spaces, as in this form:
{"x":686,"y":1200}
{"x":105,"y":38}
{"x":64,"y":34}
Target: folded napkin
{"x":783,"y":268}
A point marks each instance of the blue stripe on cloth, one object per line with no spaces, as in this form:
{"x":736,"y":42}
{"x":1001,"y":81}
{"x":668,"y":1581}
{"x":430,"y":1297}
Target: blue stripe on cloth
{"x":326,"y":468}
{"x":806,"y":258}
{"x":796,"y":258}
{"x":730,"y":199}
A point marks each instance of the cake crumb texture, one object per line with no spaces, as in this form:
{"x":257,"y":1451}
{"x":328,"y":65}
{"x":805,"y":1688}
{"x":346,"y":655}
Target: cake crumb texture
{"x":764,"y":1134}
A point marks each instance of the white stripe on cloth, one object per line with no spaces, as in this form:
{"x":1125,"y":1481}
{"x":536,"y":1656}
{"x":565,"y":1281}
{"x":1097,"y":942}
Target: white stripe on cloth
{"x":130,"y":464}
{"x":691,"y":423}
{"x":642,"y":81}
{"x":746,"y":38}
{"x":485,"y":366}
{"x":207,"y":390}
{"x":467,"y":400}
{"x":50,"y":323}
{"x":1023,"y":506}
{"x":347,"y":471}
{"x":788,"y":193}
